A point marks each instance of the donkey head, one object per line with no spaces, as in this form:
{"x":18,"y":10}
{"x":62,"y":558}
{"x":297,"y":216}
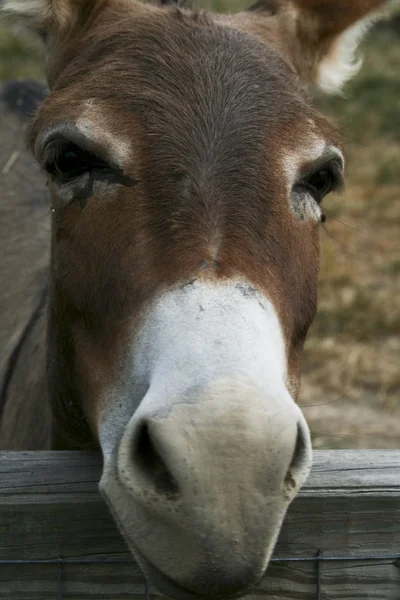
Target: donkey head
{"x":187,"y":167}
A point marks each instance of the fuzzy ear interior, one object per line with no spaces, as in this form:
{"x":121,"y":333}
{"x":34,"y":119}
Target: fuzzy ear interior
{"x":47,"y":15}
{"x":321,"y":36}
{"x":56,"y":22}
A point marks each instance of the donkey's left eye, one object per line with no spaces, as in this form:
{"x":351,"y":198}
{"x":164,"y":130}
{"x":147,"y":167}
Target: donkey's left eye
{"x":320,"y":183}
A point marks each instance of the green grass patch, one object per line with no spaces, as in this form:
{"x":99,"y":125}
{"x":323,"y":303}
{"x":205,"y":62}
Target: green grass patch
{"x":389,"y":171}
{"x":20,"y":56}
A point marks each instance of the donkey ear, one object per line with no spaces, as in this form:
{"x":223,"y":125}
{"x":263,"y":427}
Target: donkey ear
{"x":45,"y":15}
{"x":321,"y":36}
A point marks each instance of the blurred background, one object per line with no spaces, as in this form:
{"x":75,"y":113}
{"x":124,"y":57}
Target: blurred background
{"x":351,"y":383}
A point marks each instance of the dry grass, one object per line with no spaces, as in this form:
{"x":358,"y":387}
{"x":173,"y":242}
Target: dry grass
{"x":351,"y":365}
{"x":353,"y":350}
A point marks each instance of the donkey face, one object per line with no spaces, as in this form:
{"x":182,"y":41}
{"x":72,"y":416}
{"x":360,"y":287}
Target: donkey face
{"x":187,"y":169}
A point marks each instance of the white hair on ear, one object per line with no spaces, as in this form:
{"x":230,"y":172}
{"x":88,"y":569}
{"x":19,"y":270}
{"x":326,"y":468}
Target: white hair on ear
{"x":28,"y":8}
{"x":38,"y":12}
{"x":341,"y":64}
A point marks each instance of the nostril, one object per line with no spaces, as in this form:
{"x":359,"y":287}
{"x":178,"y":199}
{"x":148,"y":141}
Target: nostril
{"x":149,"y":461}
{"x":299,"y":465}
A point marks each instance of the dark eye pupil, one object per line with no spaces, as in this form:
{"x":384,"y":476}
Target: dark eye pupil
{"x":71,"y":162}
{"x":320,"y":184}
{"x":321,"y":180}
{"x":68,"y":161}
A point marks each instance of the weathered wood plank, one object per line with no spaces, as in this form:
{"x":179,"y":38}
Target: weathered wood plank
{"x":50,"y":507}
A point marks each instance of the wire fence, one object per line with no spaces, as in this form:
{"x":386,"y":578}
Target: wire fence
{"x":318,"y":559}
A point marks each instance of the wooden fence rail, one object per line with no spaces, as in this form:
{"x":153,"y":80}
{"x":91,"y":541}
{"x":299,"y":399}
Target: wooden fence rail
{"x":50,"y":507}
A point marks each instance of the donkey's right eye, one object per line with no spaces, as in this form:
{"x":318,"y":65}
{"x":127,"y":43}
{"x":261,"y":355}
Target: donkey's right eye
{"x":66,"y":161}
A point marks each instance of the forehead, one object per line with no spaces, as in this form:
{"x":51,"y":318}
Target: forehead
{"x":188,"y":81}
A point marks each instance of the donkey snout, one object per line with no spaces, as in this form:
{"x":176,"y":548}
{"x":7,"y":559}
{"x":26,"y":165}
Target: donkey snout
{"x":212,"y":479}
{"x":175,"y":456}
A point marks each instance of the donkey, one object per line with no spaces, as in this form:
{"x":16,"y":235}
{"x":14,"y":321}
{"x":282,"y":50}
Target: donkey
{"x":186,"y":167}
